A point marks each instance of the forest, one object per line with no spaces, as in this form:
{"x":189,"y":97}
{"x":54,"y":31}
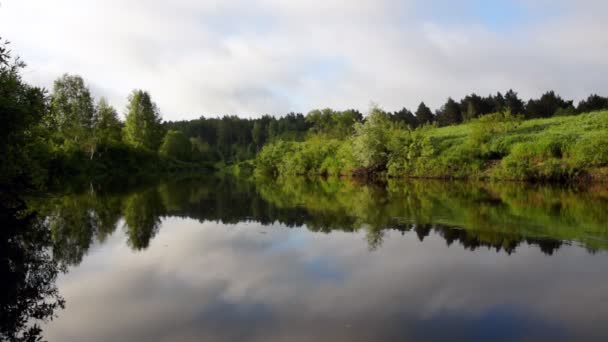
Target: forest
{"x":67,"y":133}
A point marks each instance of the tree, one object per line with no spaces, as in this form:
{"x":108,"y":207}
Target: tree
{"x":320,"y":120}
{"x":258,"y":134}
{"x":449,"y":114}
{"x":176,"y":145}
{"x":371,"y":139}
{"x":108,"y":128}
{"x":73,"y":113}
{"x":548,"y":104}
{"x":499,"y":103}
{"x":200,"y":149}
{"x":343,"y":123}
{"x":143,"y":122}
{"x":23,"y":109}
{"x":592,"y":103}
{"x":472,"y":107}
{"x":424,"y":114}
{"x":406,"y":117}
{"x":513,"y":102}
{"x":272,"y":130}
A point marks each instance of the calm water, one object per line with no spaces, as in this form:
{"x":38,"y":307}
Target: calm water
{"x":295,"y":260}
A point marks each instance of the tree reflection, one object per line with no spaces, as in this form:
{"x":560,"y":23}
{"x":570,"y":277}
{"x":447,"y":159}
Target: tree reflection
{"x":28,"y":273}
{"x":474,"y":215}
{"x":142,"y":212}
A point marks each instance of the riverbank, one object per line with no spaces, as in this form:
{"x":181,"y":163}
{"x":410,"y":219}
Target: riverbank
{"x":114,"y":166}
{"x":497,"y":146}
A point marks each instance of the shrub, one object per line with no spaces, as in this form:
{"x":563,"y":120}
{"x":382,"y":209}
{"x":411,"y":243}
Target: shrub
{"x":591,"y":150}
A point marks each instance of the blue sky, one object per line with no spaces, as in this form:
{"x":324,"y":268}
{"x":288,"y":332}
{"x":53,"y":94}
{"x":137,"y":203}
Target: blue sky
{"x":256,"y":57}
{"x":494,"y":15}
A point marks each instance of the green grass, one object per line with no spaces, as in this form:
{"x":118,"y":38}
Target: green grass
{"x":540,"y":149}
{"x":496,"y":146}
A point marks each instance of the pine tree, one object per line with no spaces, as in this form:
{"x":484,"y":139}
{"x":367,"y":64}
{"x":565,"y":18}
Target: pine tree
{"x":424,"y":114}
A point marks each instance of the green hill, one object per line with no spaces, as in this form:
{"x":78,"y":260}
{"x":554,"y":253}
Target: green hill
{"x":495,"y":146}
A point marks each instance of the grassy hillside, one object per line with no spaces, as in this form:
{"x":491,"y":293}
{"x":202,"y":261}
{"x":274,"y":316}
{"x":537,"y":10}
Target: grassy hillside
{"x":496,"y":146}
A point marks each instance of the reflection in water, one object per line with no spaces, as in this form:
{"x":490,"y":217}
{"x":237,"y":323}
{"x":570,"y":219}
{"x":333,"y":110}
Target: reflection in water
{"x":499,"y":216}
{"x":142,"y":217}
{"x":28,"y":294}
{"x":240,"y":277}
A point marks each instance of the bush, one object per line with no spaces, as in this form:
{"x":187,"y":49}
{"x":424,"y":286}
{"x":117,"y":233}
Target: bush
{"x":342,"y":163}
{"x":176,"y":145}
{"x":591,"y":151}
{"x":538,"y":160}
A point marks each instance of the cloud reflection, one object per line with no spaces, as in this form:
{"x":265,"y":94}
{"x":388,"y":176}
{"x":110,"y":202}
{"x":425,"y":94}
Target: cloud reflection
{"x":212,"y":281}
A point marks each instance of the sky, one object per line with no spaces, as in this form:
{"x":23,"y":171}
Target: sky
{"x":256,"y":57}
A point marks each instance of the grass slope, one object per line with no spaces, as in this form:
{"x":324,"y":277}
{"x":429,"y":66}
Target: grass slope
{"x":495,"y":146}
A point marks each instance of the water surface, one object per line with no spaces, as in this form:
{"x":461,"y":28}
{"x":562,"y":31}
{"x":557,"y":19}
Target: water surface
{"x":221,"y":259}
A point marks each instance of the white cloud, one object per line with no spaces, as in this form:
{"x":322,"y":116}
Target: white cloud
{"x":270,"y":56}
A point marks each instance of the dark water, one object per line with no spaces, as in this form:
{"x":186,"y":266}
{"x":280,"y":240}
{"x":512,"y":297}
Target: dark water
{"x":295,"y":260}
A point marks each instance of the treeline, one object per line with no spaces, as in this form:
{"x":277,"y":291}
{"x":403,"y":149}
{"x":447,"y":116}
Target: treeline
{"x":498,"y":146}
{"x":67,"y":133}
{"x":233,"y":139}
{"x":230,"y":138}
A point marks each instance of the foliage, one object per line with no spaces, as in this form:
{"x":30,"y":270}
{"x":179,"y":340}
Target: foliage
{"x":546,"y":106}
{"x":424,"y":114}
{"x":370,"y":145}
{"x":333,"y":124}
{"x":107,"y":127}
{"x":143,"y":127}
{"x":450,"y":113}
{"x":176,"y":145}
{"x":43,"y":140}
{"x":499,"y":146}
{"x":23,"y":151}
{"x":232,"y":139}
{"x":72,"y":113}
{"x":593,"y":103}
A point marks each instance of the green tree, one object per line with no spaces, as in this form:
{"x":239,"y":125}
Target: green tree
{"x":343,"y":123}
{"x":143,"y":127}
{"x":200,"y":149}
{"x":405,"y":117}
{"x":22,"y":136}
{"x":73,"y":113}
{"x":272,"y":130}
{"x":372,"y":138}
{"x":548,"y":104}
{"x":592,"y":103}
{"x":472,"y":107}
{"x":320,"y":120}
{"x":176,"y":145}
{"x":499,"y":102}
{"x":108,"y":129}
{"x":424,"y":114}
{"x":258,"y":134}
{"x":450,"y":113}
{"x":513,"y":102}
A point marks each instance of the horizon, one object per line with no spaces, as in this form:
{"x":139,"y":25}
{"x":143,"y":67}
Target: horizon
{"x":250,"y":59}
